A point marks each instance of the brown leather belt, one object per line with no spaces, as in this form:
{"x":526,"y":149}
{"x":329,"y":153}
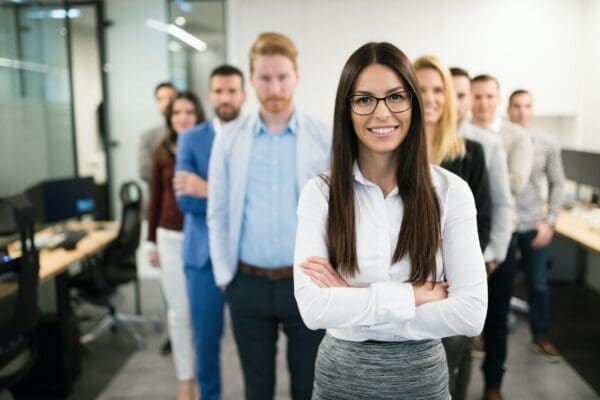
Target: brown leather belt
{"x":273,"y":274}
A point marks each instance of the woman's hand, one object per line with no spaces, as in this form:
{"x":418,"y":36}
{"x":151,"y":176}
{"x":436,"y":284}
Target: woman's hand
{"x":153,"y":258}
{"x":430,"y":291}
{"x":322,"y":273}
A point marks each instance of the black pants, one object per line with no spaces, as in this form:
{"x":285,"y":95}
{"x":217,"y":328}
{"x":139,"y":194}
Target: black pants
{"x":495,"y":330}
{"x":258,"y":307}
{"x":455,"y":351}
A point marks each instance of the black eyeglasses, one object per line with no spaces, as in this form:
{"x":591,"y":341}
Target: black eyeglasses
{"x":364,"y":104}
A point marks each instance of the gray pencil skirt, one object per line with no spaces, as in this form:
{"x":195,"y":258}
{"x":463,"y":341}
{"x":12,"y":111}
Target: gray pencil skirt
{"x":380,"y":370}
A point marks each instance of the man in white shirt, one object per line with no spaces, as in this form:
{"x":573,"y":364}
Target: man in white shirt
{"x":258,"y":166}
{"x":501,"y":227}
{"x":485,"y":98}
{"x":535,"y":227}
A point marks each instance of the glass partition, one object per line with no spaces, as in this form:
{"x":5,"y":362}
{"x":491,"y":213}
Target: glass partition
{"x":190,"y":66}
{"x":36,"y":132}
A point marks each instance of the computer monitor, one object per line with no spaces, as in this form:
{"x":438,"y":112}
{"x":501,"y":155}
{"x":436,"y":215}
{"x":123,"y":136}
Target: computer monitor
{"x":62,"y":199}
{"x":582,"y":167}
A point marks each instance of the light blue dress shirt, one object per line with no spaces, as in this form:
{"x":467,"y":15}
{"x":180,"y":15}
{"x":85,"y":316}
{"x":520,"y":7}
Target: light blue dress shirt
{"x":269,"y":220}
{"x":228,"y":174}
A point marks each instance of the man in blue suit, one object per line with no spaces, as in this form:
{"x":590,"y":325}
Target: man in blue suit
{"x":257,"y":169}
{"x":226,"y":96}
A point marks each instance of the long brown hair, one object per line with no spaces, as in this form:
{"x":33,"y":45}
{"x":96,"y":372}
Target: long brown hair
{"x":164,"y":148}
{"x":420,"y":230}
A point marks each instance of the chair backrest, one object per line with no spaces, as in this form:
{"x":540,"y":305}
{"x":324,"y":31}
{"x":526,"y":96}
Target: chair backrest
{"x":19,"y":279}
{"x":128,"y":239}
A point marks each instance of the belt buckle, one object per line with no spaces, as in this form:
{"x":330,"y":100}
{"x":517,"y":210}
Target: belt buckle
{"x":270,"y":274}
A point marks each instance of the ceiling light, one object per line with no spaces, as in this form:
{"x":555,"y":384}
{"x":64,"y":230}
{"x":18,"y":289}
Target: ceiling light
{"x":178,"y":33}
{"x":180,"y":21}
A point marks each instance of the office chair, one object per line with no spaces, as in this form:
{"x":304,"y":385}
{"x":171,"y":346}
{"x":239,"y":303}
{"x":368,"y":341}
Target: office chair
{"x":116,"y":266}
{"x":19,"y":313}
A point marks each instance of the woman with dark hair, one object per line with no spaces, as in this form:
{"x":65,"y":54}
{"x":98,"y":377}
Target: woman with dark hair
{"x":165,"y":224}
{"x":387,"y":256}
{"x":461,"y":156}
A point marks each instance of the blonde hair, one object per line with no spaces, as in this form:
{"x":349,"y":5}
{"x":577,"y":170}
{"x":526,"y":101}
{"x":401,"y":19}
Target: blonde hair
{"x":273,"y":43}
{"x":447,"y":145}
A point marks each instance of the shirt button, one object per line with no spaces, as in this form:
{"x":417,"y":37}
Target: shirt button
{"x":274,"y":163}
{"x":276,"y":137}
{"x":274,"y":213}
{"x":274,"y":188}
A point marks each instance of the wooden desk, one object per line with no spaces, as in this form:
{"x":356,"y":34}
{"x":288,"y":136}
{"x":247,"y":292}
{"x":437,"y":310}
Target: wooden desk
{"x":60,"y":352}
{"x":56,"y":261}
{"x":575,"y":227}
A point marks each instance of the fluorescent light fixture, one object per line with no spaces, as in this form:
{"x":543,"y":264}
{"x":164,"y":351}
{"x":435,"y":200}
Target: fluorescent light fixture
{"x":32,"y":66}
{"x":57,"y":13}
{"x":178,"y":33}
{"x":62,"y":13}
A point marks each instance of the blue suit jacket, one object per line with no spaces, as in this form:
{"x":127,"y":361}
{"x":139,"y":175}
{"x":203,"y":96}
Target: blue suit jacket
{"x":193,"y":155}
{"x":227,"y":182}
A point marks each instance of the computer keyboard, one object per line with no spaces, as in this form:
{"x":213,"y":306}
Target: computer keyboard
{"x":72,"y":237}
{"x":66,"y":239}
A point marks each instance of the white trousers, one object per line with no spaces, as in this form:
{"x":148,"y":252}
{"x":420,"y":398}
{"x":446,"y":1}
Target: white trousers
{"x":169,"y":245}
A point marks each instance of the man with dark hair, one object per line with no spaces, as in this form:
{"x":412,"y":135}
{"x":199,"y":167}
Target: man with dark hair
{"x":226,"y":96}
{"x":502,"y":211}
{"x":517,"y":144}
{"x":535,"y":227}
{"x":163,"y":94}
{"x":257,"y":169}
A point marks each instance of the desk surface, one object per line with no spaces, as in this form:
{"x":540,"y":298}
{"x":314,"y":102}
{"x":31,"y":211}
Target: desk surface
{"x":574,"y":226}
{"x":54,"y":262}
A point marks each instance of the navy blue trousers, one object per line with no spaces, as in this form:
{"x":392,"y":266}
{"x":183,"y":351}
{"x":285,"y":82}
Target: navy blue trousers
{"x":206,"y":309}
{"x":259,"y":306}
{"x":535,"y":266}
{"x":495,"y":329}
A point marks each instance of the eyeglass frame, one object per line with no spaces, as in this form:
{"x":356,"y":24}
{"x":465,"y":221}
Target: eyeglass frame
{"x":378,"y":99}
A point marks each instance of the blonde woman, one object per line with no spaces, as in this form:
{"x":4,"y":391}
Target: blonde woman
{"x":461,"y":156}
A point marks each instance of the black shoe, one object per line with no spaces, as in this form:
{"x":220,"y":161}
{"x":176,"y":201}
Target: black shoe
{"x":165,"y":348}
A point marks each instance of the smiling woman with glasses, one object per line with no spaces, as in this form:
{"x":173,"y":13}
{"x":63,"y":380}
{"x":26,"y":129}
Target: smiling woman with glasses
{"x":386,"y":254}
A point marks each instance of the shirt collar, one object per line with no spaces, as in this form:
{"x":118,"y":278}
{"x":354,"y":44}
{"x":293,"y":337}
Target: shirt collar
{"x":360,"y":178}
{"x":217,"y":125}
{"x":496,"y":124}
{"x":260,"y":128}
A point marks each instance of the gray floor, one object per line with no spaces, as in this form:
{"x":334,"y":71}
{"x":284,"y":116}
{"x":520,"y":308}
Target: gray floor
{"x":147,"y":375}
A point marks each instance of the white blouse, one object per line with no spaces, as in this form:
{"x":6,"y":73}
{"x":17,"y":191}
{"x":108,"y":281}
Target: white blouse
{"x":380,"y":304}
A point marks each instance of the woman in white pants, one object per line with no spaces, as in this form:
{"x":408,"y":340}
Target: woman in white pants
{"x":165,"y":223}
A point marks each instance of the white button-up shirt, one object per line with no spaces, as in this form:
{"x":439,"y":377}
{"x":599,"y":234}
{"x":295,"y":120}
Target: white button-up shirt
{"x":380,"y":304}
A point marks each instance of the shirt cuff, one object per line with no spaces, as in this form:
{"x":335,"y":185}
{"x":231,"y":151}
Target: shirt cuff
{"x":395,"y":301}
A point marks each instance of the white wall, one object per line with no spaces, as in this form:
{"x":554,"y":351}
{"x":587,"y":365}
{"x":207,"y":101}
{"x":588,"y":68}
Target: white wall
{"x":137,"y":61}
{"x":590,"y":77}
{"x":536,"y":44}
{"x":87,"y":93}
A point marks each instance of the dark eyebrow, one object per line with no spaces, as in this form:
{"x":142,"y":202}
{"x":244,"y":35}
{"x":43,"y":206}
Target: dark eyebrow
{"x":390,"y":91}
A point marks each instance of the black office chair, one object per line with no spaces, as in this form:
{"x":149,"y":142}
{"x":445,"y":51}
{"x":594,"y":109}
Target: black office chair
{"x":116,"y":266}
{"x":19,"y":313}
